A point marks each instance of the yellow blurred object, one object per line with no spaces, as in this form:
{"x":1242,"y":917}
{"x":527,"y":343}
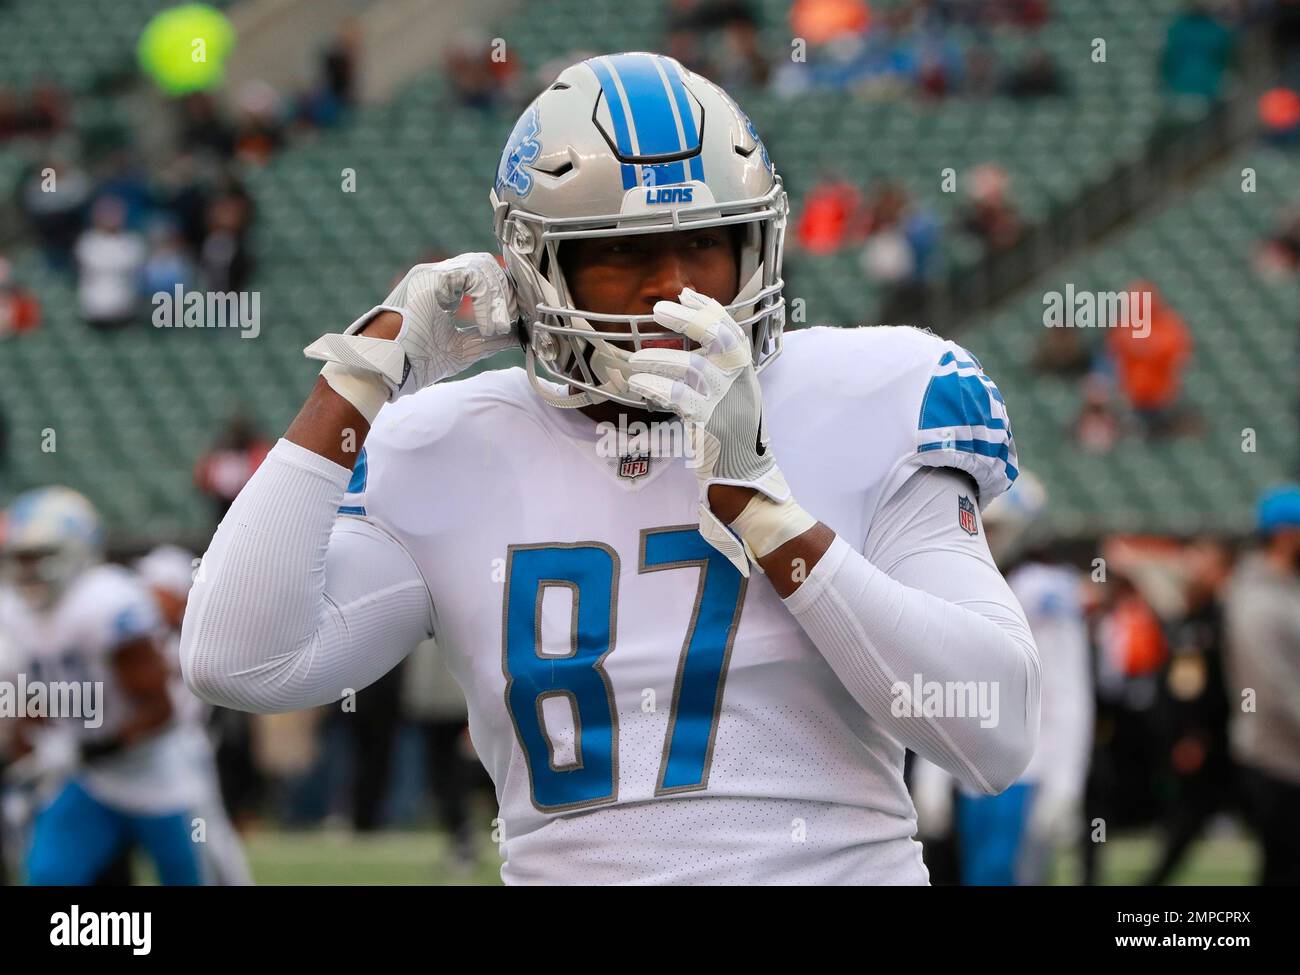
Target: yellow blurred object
{"x":184,"y":49}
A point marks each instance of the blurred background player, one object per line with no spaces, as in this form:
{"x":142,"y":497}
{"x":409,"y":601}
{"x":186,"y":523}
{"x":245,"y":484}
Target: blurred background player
{"x":168,"y":571}
{"x":1012,"y":838}
{"x":1192,"y":708}
{"x":72,"y":618}
{"x":1263,"y":614}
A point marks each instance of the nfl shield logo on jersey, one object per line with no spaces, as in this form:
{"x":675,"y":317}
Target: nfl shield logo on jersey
{"x":634,"y":466}
{"x":966,"y":515}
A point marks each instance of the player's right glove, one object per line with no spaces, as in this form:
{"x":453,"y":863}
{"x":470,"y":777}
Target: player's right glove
{"x":369,"y":371}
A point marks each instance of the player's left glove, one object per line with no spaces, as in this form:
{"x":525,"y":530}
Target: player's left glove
{"x":715,"y":391}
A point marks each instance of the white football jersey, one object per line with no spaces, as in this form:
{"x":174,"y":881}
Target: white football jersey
{"x":646,"y":713}
{"x":1049,"y":595}
{"x":105,"y":607}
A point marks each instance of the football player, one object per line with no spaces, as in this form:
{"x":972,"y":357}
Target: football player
{"x":168,"y":571}
{"x":690,"y":663}
{"x":73,"y":619}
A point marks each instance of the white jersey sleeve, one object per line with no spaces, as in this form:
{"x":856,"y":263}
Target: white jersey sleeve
{"x":296,"y":606}
{"x":926,"y":635}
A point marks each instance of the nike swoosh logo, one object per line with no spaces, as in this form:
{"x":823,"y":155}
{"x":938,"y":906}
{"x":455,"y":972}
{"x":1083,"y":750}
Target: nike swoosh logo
{"x":759,"y":446}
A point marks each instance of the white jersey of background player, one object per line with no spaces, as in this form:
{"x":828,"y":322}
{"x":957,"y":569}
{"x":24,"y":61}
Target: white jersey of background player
{"x":168,"y":571}
{"x":649,"y":708}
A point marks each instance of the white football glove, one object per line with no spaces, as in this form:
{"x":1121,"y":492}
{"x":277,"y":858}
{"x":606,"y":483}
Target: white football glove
{"x":716,"y":393}
{"x":368,"y":372}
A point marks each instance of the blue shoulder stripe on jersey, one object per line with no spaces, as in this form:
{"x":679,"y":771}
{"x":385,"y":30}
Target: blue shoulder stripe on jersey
{"x":984,"y":448}
{"x":971,"y":363}
{"x":357,"y":485}
{"x":954,"y":400}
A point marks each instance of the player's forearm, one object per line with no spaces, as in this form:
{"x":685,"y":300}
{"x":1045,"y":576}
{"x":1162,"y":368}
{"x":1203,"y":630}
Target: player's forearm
{"x":330,"y":425}
{"x":885,"y":639}
{"x":789,"y":564}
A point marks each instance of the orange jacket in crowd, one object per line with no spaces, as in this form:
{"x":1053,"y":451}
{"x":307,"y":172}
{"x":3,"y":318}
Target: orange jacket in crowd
{"x":1149,"y":366}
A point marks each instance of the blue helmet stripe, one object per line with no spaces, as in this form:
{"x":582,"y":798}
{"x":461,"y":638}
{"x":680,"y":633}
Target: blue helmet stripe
{"x":688,"y":121}
{"x":651,"y":109}
{"x":622,"y":136}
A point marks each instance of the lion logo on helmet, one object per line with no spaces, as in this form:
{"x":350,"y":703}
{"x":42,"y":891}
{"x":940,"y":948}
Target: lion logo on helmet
{"x":521,"y":149}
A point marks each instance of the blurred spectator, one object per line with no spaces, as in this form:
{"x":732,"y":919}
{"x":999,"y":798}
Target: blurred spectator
{"x":1036,"y":77}
{"x":341,"y":62}
{"x":19,"y":309}
{"x":1149,"y":365}
{"x":184,"y":194}
{"x":988,"y":214}
{"x":434,"y":703}
{"x":110,"y":261}
{"x":1286,"y":39}
{"x":981,"y":71}
{"x":1263,"y":629}
{"x":1278,"y":257}
{"x":225,"y":258}
{"x":740,"y":62}
{"x":477,"y":81}
{"x":203,"y":128}
{"x":1197,"y":50}
{"x":1192,"y":709}
{"x":42,"y":114}
{"x":167,"y":264}
{"x":831,"y":217}
{"x":718,"y":39}
{"x":901,"y":239}
{"x":1061,"y":352}
{"x":1279,"y":116}
{"x":53,"y":198}
{"x":823,"y":21}
{"x":222,"y":472}
{"x":1096,"y":429}
{"x":259,"y":125}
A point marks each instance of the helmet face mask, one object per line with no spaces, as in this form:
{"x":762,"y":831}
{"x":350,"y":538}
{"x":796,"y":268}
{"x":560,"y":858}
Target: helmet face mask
{"x":598,"y":177}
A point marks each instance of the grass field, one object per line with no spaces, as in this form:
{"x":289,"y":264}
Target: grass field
{"x":404,"y":858}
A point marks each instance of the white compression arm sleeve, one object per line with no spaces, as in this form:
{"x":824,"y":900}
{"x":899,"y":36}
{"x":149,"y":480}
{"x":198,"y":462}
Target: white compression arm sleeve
{"x":294,"y":606}
{"x":929,"y":607}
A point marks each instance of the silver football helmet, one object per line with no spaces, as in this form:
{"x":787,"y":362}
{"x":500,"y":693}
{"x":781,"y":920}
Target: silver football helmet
{"x":48,"y":537}
{"x":630,"y":144}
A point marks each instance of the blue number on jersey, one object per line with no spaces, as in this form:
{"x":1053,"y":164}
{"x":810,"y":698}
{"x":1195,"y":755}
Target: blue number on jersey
{"x":697,"y":698}
{"x":591,"y":569}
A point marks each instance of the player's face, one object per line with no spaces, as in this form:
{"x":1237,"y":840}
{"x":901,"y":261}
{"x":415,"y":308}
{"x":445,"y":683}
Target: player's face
{"x":627,"y":275}
{"x":31,"y":574}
